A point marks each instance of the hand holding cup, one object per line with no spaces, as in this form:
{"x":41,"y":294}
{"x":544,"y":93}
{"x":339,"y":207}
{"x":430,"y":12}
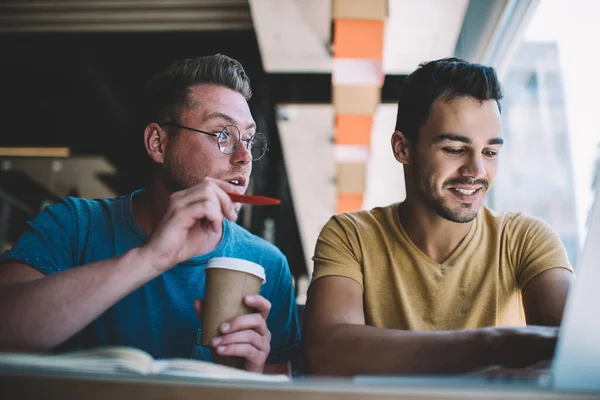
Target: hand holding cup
{"x":233,"y":314}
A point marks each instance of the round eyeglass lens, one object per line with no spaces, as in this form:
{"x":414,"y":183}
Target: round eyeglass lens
{"x":229,"y":139}
{"x":258,"y":146}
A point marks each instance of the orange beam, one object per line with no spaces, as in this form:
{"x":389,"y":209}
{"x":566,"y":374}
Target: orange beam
{"x":353,"y":129}
{"x":356,"y":38}
{"x":348,"y":202}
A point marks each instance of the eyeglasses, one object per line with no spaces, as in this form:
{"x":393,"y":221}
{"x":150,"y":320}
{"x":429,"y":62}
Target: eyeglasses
{"x":229,"y":138}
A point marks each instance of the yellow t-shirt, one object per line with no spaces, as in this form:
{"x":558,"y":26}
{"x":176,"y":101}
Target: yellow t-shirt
{"x":478,"y":285}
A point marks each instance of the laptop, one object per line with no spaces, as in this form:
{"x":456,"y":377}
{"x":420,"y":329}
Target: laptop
{"x":576,"y":363}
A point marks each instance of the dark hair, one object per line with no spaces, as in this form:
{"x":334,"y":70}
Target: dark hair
{"x":447,"y":78}
{"x":168,"y":92}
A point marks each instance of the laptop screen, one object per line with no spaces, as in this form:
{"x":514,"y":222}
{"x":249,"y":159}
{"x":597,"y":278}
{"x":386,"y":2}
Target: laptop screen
{"x":576,"y":365}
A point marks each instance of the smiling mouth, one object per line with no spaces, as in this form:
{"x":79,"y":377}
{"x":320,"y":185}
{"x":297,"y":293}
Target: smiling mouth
{"x":466,"y":195}
{"x":235,"y":182}
{"x":466,"y":192}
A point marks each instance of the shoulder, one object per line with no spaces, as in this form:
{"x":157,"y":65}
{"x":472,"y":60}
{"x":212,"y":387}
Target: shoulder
{"x":75,"y":215}
{"x":51,"y":241}
{"x":244,"y":244}
{"x":65,"y":212}
{"x":363,"y":220}
{"x":510,"y":220}
{"x":81,"y":206}
{"x":240,"y":234}
{"x":254,"y":248}
{"x":517,"y":226}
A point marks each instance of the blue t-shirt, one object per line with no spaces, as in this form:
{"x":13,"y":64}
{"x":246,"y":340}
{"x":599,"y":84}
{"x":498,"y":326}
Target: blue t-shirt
{"x":158,"y":317}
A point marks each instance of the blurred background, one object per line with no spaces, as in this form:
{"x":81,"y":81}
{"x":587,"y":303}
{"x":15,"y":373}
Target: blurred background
{"x":325,"y":75}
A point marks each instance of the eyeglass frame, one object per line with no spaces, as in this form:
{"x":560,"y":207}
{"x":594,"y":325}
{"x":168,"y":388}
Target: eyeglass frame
{"x":218,"y":134}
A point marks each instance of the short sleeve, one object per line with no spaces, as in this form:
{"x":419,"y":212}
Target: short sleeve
{"x":283,"y":318}
{"x":337,"y":251}
{"x":535,"y":248}
{"x":49,"y":241}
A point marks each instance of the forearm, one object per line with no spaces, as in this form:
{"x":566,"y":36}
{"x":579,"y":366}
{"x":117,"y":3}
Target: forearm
{"x":40,"y":314}
{"x":347,"y":349}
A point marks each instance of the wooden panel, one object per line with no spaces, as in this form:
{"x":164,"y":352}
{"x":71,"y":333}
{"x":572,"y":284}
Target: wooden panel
{"x":351,"y":177}
{"x":356,"y":99}
{"x":124,"y":15}
{"x":360,"y":9}
{"x":423,"y":30}
{"x":35,"y":152}
{"x":292,"y":34}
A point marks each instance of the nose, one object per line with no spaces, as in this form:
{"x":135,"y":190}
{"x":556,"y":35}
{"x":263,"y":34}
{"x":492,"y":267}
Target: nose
{"x":241,"y":155}
{"x":474,"y":167}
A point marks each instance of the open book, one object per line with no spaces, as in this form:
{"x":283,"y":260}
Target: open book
{"x":118,"y":360}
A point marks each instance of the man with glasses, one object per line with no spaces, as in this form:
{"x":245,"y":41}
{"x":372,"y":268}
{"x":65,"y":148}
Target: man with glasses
{"x":130,"y":271}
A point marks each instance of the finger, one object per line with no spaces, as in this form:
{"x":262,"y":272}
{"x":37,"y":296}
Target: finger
{"x":205,"y":212}
{"x":198,"y":308}
{"x":195,"y":192}
{"x":180,"y":203}
{"x":226,"y":186}
{"x":227,"y":206}
{"x":209,"y":189}
{"x":246,"y":351}
{"x":249,"y":321}
{"x":258,"y":303}
{"x":201,"y":191}
{"x":243,"y":337}
{"x":214,"y":191}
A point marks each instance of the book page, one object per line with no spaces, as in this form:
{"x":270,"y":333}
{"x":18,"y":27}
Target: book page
{"x":119,"y":357}
{"x":114,"y":359}
{"x":105,"y":359}
{"x":207,"y":370}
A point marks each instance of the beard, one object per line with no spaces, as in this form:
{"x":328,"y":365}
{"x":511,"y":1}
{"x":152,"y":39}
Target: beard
{"x":173,"y":181}
{"x":173,"y":174}
{"x":463,"y":213}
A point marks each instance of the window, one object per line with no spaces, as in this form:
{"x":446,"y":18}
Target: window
{"x":551,"y":98}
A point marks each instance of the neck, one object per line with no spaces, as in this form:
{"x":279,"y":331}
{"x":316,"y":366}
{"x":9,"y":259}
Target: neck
{"x":150,"y":206}
{"x":433,"y":235}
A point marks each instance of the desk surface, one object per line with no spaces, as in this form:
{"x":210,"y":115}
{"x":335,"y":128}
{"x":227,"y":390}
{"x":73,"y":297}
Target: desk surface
{"x":21,"y":385}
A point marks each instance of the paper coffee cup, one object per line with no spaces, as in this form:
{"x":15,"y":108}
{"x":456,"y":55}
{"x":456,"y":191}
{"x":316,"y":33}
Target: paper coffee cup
{"x":228,"y":281}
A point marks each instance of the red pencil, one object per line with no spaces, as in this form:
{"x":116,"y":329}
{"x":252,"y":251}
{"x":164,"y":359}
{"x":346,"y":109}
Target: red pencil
{"x":251,"y":199}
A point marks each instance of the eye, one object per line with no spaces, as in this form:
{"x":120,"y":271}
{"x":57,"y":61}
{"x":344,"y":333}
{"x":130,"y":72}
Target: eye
{"x":223,"y":136}
{"x":490,"y":153}
{"x":247,"y":136}
{"x":453,"y":151}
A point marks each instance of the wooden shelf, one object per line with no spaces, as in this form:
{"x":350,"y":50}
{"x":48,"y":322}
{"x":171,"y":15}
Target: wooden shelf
{"x":59,"y":152}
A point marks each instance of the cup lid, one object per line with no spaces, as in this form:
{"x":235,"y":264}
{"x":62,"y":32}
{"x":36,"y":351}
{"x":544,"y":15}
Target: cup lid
{"x":237,"y":264}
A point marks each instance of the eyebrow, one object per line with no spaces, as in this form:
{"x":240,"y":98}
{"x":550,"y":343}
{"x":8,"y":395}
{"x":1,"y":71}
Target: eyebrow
{"x":227,"y":118}
{"x":464,"y":139}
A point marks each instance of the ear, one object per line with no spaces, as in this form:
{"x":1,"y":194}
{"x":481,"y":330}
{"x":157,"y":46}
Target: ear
{"x":400,"y":147}
{"x":155,"y":141}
